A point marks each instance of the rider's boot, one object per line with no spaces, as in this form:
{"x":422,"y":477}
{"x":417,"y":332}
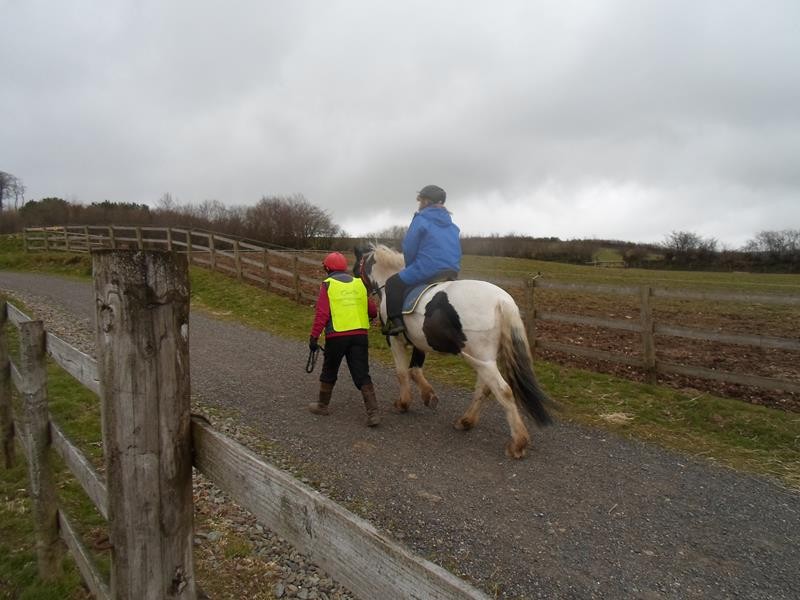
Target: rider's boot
{"x":370,"y":404}
{"x":320,"y":407}
{"x":393,"y":326}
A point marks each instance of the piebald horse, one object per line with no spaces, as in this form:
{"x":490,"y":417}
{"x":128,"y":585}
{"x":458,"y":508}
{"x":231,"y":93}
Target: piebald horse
{"x":475,"y":320}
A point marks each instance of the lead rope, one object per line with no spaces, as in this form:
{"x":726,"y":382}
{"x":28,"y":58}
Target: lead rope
{"x":312,"y":359}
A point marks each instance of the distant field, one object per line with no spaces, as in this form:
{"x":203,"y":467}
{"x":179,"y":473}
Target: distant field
{"x":502,"y":267}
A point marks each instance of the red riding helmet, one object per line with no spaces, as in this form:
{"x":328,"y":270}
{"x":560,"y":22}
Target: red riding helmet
{"x":335,"y":261}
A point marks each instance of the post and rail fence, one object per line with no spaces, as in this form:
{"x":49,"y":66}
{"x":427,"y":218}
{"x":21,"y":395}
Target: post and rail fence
{"x":150,"y":444}
{"x":257,"y":263}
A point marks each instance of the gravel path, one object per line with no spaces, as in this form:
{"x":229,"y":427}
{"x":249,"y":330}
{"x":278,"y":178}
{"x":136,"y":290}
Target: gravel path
{"x":586,"y":515}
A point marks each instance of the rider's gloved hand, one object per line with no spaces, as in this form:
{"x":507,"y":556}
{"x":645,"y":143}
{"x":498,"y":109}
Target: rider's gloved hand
{"x":313,"y":345}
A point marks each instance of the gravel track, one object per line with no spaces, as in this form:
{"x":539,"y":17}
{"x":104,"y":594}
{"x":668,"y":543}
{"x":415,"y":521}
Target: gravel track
{"x":586,"y":515}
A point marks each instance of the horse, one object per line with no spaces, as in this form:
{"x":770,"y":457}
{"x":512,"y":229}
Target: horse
{"x":473,"y":319}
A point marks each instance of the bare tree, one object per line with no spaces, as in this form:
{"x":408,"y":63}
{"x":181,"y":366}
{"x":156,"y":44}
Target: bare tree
{"x":11,"y":187}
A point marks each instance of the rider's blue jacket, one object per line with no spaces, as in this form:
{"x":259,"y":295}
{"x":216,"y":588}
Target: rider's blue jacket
{"x":430,"y":246}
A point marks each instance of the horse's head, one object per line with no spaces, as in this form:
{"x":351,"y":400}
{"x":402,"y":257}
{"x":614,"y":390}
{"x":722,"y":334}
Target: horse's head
{"x":375,"y":263}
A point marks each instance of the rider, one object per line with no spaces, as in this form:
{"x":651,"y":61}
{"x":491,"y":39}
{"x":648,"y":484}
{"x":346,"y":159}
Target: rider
{"x":432,"y":252}
{"x":343,"y":311}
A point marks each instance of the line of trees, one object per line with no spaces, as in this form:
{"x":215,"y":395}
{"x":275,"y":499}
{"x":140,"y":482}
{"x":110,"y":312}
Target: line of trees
{"x":286,"y":221}
{"x":294,"y":222}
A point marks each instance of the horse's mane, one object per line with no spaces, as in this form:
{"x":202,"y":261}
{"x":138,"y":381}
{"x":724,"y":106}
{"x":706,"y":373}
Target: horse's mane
{"x":388,"y":258}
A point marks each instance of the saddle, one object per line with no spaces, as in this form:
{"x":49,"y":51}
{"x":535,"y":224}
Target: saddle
{"x":413,"y":295}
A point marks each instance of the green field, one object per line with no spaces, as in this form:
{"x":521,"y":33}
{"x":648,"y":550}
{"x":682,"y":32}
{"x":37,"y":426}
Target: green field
{"x":725,"y":431}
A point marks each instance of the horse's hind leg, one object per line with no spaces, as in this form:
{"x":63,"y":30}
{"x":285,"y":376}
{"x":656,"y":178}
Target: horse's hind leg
{"x":426,"y":392}
{"x":401,"y":369}
{"x":470,"y":418}
{"x":490,"y":375}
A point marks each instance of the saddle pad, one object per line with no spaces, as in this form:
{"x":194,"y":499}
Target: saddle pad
{"x":412,"y":296}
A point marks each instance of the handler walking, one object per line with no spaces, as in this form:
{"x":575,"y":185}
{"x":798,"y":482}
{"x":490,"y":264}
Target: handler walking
{"x":343,"y":312}
{"x":432,"y":252}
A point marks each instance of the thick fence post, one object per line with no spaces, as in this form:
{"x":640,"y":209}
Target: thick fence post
{"x":87,"y":239}
{"x":169,"y":239}
{"x":530,"y":313}
{"x":142,"y":301}
{"x":111,"y":238}
{"x":33,"y":369}
{"x":189,"y":245}
{"x":648,"y":339}
{"x":25,"y":239}
{"x":6,"y":418}
{"x":66,"y":238}
{"x":139,"y":239}
{"x":46,"y":241}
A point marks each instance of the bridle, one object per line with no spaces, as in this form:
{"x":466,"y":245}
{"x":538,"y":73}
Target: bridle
{"x":374,"y":290}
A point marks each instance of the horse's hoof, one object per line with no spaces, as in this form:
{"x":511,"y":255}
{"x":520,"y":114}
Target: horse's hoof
{"x":516,"y":450}
{"x":401,"y":406}
{"x":431,"y":400}
{"x":463,"y":424}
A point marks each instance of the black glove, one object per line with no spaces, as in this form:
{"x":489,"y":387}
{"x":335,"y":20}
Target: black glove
{"x":312,"y":343}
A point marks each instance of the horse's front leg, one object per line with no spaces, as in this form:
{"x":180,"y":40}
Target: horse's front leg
{"x":401,"y":369}
{"x":429,"y":397}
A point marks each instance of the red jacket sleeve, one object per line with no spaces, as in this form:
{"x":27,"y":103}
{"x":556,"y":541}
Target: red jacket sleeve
{"x":323,"y":312}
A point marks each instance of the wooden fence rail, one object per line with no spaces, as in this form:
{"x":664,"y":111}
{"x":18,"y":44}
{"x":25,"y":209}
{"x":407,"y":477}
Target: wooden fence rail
{"x":142,"y":312}
{"x":249,"y":260}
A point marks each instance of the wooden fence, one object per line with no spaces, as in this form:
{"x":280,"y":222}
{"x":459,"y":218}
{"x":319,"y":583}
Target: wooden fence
{"x":275,"y":270}
{"x":255,"y":262}
{"x":150,"y":443}
{"x":648,"y":330}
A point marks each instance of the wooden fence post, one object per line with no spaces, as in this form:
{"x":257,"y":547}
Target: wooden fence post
{"x":530,"y":313}
{"x":46,"y":241}
{"x":212,"y":255}
{"x":189,"y":245}
{"x":142,"y":301}
{"x":237,"y":256}
{"x":169,"y":239}
{"x":66,"y":239}
{"x":296,"y":269}
{"x":33,"y":369}
{"x":266,"y":269}
{"x":86,"y":237}
{"x":139,"y":239}
{"x":648,"y":339}
{"x":6,"y":418}
{"x":111,"y":237}
{"x":25,"y":239}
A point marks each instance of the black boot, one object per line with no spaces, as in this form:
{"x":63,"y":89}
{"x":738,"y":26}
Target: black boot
{"x":370,"y":404}
{"x":393,"y":326}
{"x":320,"y":407}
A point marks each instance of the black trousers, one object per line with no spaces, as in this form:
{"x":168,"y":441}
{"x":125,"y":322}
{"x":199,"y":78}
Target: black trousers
{"x":395,"y":293}
{"x":355,"y":348}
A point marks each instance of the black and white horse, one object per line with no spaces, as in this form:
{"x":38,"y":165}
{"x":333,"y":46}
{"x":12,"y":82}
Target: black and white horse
{"x":474,"y":319}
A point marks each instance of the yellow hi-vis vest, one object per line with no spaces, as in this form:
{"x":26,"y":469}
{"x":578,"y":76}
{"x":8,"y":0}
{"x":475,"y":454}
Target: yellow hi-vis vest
{"x":348,"y":304}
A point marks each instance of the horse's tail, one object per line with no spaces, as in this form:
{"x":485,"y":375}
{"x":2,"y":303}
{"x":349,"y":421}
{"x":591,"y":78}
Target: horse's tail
{"x":518,"y":364}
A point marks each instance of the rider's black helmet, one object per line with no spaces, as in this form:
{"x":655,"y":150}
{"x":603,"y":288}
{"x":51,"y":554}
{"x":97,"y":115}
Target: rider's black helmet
{"x":433,"y":193}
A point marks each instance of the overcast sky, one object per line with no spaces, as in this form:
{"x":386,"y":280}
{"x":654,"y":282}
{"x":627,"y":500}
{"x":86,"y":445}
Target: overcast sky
{"x":606,"y":119}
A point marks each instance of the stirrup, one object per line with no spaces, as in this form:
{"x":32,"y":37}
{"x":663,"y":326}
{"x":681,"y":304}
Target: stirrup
{"x":393,"y":327}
